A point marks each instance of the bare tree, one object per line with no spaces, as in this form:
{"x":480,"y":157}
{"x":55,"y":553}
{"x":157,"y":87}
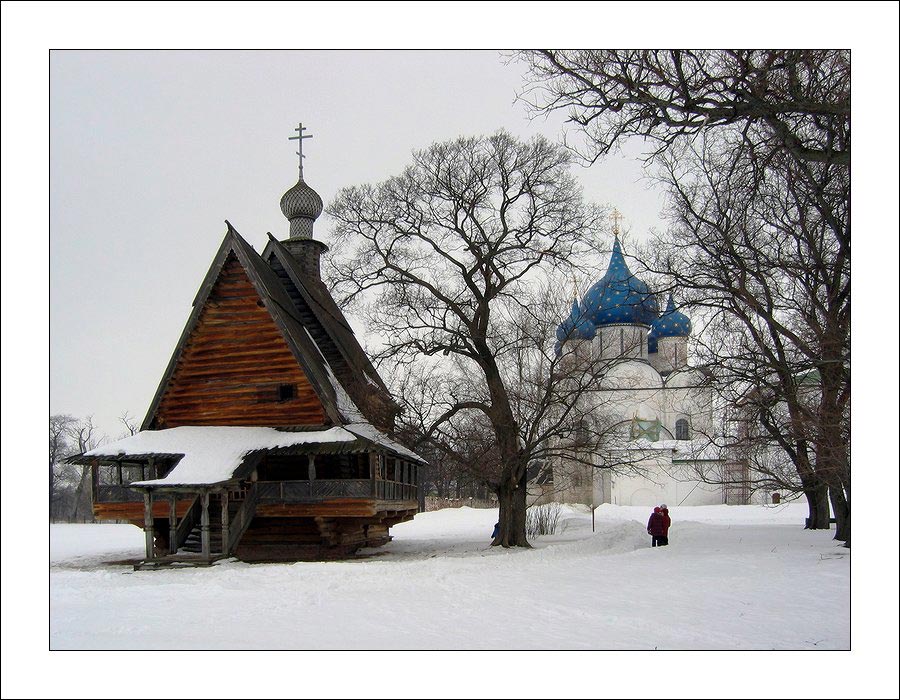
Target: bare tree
{"x":69,"y":495}
{"x":130,"y":423}
{"x":754,"y":148}
{"x":445,"y":252}
{"x":747,"y":243}
{"x":567,"y":414}
{"x":793,"y":101}
{"x":82,"y":434}
{"x":60,"y":448}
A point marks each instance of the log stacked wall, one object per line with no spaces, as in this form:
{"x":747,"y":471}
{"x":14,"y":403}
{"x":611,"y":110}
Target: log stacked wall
{"x":230,"y":368}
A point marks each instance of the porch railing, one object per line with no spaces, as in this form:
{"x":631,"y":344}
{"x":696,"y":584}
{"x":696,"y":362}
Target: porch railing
{"x":242,"y":518}
{"x":323,"y":489}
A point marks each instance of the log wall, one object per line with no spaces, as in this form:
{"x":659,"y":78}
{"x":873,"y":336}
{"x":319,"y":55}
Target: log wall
{"x":233,"y":364}
{"x":135,"y":511}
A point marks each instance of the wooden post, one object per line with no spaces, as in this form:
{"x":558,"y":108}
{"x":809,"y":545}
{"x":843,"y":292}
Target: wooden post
{"x":95,"y":480}
{"x":224,"y":500}
{"x":173,"y":524}
{"x":204,"y":525}
{"x":148,"y":523}
{"x":312,"y":467}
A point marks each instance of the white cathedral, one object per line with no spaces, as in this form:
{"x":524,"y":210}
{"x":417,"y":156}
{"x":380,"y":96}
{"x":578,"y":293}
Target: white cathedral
{"x":660,"y":413}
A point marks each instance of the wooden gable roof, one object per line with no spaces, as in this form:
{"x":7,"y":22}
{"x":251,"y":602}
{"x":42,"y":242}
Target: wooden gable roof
{"x":333,"y":335}
{"x":274,"y":299}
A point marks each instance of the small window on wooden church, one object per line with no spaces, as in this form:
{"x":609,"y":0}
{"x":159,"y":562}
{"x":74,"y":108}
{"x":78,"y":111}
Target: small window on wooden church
{"x":285,"y":392}
{"x":682,"y":429}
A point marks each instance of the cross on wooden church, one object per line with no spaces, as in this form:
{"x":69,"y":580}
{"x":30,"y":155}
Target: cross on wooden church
{"x":299,"y":138}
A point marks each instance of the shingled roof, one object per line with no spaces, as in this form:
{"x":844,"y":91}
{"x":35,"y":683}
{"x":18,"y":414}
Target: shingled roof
{"x":328,"y":326}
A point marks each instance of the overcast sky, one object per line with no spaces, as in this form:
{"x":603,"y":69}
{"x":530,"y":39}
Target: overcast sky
{"x":152,"y":150}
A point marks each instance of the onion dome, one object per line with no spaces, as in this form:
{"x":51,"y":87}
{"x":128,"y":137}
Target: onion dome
{"x":577,"y":326}
{"x":671,"y":324}
{"x":301,"y":205}
{"x":620,"y":297}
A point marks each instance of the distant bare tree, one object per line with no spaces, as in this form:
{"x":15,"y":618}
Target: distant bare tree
{"x":82,"y":434}
{"x":130,"y":424}
{"x":69,"y":495}
{"x":60,"y":448}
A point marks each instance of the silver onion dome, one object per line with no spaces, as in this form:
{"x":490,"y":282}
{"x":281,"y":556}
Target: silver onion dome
{"x":301,"y":205}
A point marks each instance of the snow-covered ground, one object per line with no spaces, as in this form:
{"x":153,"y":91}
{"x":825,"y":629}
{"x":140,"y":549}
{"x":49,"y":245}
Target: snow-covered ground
{"x":733,"y":577}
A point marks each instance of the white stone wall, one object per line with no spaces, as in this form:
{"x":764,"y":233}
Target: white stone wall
{"x":664,"y":482}
{"x":671,"y":354}
{"x":621,"y":340}
{"x":634,"y":387}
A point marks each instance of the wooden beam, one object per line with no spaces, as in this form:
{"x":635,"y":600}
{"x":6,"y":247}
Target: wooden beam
{"x":225,"y":533}
{"x":148,"y":523}
{"x":173,"y":523}
{"x":204,"y":525}
{"x":95,"y":480}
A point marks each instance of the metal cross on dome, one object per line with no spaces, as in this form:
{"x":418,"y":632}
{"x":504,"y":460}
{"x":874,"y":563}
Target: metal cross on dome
{"x":616,"y":217}
{"x":299,"y":139}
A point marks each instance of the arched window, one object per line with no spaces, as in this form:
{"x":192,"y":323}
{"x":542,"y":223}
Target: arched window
{"x":682,"y":429}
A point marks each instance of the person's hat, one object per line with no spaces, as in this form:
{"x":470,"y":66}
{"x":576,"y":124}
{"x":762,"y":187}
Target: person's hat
{"x":664,"y":507}
{"x":656,"y":510}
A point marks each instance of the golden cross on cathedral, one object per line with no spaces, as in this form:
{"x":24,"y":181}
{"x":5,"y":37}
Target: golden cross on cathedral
{"x":299,"y":139}
{"x":616,"y":217}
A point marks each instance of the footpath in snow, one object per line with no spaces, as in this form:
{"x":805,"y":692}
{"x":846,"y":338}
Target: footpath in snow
{"x":733,"y":577}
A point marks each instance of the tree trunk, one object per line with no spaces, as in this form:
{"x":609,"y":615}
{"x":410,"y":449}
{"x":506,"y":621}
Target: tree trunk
{"x":52,"y":490}
{"x":842,"y":515}
{"x":512,"y":496}
{"x":819,"y":514}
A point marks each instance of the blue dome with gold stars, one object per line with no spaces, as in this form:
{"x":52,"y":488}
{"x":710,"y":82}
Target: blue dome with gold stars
{"x":671,"y":324}
{"x":577,"y":326}
{"x":620,"y":297}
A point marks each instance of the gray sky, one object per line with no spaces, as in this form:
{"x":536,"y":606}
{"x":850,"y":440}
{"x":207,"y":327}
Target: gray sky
{"x":152,"y":150}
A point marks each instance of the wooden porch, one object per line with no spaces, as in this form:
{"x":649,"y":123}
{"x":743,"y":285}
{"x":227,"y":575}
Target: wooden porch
{"x":280,"y":505}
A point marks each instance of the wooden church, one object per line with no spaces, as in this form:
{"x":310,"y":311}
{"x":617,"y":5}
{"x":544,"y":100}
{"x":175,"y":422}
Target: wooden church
{"x":268,"y":438}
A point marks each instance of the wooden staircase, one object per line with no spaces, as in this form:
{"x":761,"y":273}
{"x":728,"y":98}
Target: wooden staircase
{"x":187,"y":537}
{"x":194,"y":542}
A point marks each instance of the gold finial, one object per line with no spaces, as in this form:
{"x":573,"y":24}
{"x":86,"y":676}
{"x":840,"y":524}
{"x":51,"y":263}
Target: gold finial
{"x":616,"y":217}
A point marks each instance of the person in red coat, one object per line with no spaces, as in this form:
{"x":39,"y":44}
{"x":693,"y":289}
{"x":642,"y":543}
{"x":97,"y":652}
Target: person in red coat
{"x":655,"y":526}
{"x":666,"y":522}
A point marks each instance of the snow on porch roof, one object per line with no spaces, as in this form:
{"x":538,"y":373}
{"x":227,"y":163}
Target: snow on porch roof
{"x":212,"y":454}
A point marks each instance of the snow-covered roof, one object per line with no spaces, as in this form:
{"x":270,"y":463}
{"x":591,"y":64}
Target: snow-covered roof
{"x":212,"y":454}
{"x":358,"y":424}
{"x":369,"y":432}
